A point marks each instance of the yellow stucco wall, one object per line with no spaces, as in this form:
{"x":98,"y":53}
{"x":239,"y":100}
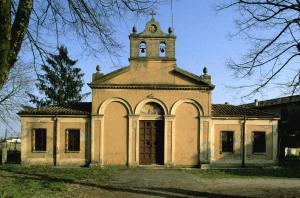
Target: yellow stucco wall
{"x":115,"y":134}
{"x":252,"y":125}
{"x":28,"y":156}
{"x":186,"y":135}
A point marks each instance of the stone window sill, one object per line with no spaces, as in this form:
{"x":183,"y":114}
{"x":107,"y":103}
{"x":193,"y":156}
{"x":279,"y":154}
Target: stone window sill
{"x":72,"y":151}
{"x":39,"y":151}
{"x":259,"y":153}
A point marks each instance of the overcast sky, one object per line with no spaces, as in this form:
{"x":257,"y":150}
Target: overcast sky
{"x":202,"y":40}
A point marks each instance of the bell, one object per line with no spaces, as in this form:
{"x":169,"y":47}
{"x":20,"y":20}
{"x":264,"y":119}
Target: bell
{"x":162,"y":50}
{"x":143,"y":50}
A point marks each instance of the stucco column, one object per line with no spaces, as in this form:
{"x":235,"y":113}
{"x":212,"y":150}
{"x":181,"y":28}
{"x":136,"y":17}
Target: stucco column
{"x":24,"y":140}
{"x":275,"y":140}
{"x":96,"y":133}
{"x":168,"y":140}
{"x":132,"y":136}
{"x":211,"y":141}
{"x":204,"y":139}
{"x":4,"y":152}
{"x":58,"y":140}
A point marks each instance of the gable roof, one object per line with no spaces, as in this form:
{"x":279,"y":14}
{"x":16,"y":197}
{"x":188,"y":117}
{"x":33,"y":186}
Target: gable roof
{"x":201,"y":81}
{"x":84,"y":108}
{"x":224,"y":110}
{"x":80,"y":108}
{"x":273,"y":102}
{"x":204,"y":79}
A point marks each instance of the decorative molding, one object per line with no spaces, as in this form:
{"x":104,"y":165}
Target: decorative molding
{"x":141,"y":104}
{"x":150,"y":86}
{"x":103,"y":106}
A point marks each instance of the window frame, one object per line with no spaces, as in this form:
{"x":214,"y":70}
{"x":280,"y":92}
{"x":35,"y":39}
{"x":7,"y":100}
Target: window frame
{"x":67,"y":141}
{"x":34,"y":149}
{"x":221,"y":142}
{"x":253,"y":144}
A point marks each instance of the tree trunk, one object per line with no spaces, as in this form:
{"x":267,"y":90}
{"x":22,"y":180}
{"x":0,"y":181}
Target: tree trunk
{"x":11,"y":37}
{"x":5,"y":38}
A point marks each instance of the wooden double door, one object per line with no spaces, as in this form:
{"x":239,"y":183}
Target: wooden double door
{"x":151,"y":142}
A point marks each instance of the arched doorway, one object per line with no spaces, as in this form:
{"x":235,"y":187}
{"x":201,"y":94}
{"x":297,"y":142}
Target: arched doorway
{"x":151,"y":134}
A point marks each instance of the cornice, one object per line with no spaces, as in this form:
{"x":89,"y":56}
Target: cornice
{"x":150,"y":86}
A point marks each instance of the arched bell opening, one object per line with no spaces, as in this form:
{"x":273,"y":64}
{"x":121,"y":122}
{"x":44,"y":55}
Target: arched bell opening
{"x":143,"y":49}
{"x":162,"y":49}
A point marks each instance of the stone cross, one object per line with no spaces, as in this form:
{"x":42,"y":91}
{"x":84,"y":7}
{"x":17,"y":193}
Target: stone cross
{"x":152,"y":13}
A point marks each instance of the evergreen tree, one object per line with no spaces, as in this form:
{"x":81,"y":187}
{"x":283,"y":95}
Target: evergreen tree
{"x":61,"y":82}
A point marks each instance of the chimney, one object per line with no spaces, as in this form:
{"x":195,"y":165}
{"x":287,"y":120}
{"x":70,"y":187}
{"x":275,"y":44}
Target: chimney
{"x":256,"y":102}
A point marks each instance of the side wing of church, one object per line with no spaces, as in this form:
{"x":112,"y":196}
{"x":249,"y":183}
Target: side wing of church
{"x":151,"y":112}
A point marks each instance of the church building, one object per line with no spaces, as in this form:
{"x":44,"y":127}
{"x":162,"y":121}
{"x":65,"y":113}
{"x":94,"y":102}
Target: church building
{"x":151,"y":112}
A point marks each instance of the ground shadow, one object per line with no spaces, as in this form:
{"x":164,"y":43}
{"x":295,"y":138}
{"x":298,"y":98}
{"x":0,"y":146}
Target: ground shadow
{"x":147,"y":191}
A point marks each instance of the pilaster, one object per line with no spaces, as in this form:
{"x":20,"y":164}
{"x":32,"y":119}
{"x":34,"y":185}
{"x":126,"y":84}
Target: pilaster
{"x":97,"y":130}
{"x":132,"y":140}
{"x":168,"y":140}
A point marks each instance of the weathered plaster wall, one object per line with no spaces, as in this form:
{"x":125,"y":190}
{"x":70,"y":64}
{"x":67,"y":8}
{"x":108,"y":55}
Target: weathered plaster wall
{"x":115,"y":135}
{"x":186,"y":151}
{"x":28,"y":156}
{"x":236,"y":125}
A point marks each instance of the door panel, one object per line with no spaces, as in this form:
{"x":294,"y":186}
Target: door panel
{"x":151,"y":142}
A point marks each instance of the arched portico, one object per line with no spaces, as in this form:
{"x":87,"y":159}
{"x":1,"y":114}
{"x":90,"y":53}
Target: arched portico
{"x":150,"y":133}
{"x":191,"y":122}
{"x":100,"y":128}
{"x":190,"y":101}
{"x":103,"y":106}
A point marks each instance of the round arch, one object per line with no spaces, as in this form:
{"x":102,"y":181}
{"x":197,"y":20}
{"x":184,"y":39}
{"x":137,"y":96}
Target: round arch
{"x":110,"y":100}
{"x":154,"y":100}
{"x":190,"y":101}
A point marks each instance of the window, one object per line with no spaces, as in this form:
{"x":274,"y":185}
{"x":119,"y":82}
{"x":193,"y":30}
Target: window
{"x":73,"y":140}
{"x":143,"y":49}
{"x":39,"y":139}
{"x":227,"y":141}
{"x":162,"y":49}
{"x":259,"y":142}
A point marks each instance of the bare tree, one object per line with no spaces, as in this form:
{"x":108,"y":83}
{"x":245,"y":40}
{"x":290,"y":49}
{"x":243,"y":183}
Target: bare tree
{"x":273,"y":27}
{"x":14,"y":93}
{"x":31,"y":22}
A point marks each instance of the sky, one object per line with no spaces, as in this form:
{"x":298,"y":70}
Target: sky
{"x":202,"y":41}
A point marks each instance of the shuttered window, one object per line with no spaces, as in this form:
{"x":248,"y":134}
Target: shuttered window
{"x":73,"y":140}
{"x":227,"y":141}
{"x":259,"y":142}
{"x":39,"y":139}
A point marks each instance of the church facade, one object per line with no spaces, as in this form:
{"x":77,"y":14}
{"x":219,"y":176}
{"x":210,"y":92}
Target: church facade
{"x":151,"y":112}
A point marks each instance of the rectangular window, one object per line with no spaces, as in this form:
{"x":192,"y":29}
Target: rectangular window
{"x":259,"y":142}
{"x":40,"y":140}
{"x":73,"y":140}
{"x":227,"y":141}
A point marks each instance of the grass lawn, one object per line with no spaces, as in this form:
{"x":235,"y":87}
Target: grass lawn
{"x":42,"y":181}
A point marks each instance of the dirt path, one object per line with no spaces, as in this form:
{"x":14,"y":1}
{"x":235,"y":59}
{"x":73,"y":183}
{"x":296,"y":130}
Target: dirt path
{"x":182,"y":183}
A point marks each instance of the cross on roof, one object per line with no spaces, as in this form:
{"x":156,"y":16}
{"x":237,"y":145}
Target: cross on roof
{"x":152,"y":13}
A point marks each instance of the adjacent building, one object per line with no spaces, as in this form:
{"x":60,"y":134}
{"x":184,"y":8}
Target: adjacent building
{"x":288,"y":109}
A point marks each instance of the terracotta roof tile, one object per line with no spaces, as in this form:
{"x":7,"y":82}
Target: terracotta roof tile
{"x":84,"y":108}
{"x":224,"y":110}
{"x":81,"y":108}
